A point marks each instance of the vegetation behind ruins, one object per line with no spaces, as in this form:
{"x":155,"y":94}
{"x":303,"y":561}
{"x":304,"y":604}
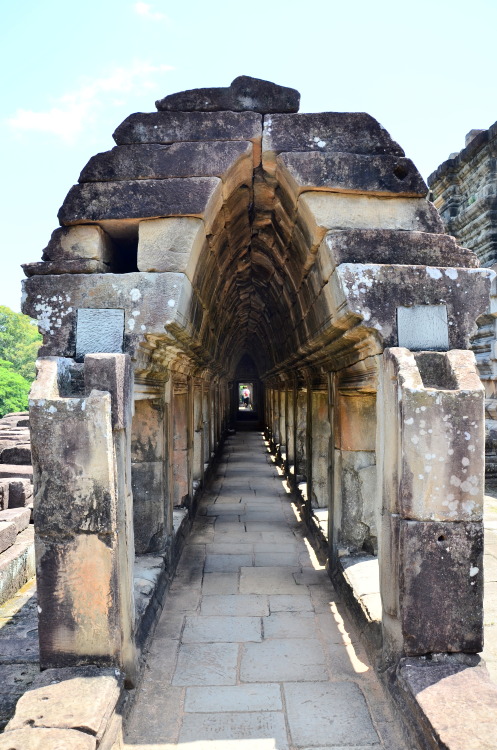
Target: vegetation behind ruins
{"x":19,"y":342}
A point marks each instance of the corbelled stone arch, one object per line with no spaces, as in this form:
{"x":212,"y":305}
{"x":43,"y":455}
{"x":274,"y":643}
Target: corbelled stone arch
{"x":312,"y":236}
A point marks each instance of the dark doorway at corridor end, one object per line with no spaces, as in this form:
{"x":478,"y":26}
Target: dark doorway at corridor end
{"x":246,"y":396}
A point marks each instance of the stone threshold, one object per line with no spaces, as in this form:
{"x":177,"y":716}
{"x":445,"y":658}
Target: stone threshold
{"x":447,"y":701}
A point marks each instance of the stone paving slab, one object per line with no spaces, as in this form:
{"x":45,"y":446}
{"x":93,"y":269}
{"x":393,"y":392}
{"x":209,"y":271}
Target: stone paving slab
{"x":267,"y":728}
{"x":226,"y":563}
{"x":237,"y":605}
{"x":289,"y":603}
{"x":281,"y":660}
{"x":206,"y":664}
{"x":258,"y":697}
{"x":339,"y":715}
{"x":253,"y":650}
{"x":222,"y":629}
{"x":290,"y":625}
{"x":267,"y":580}
{"x":220,"y":583}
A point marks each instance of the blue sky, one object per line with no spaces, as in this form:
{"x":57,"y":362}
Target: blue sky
{"x":71,"y":72}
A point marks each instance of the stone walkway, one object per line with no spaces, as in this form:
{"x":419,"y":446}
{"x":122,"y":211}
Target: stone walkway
{"x":253,"y":650}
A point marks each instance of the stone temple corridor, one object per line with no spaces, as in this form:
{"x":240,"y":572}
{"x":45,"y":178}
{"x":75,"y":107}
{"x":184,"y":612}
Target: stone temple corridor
{"x":254,"y":650}
{"x":230,"y":242}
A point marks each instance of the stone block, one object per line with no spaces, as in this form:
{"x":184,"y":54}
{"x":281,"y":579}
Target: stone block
{"x":326,"y":211}
{"x":58,"y":267}
{"x":158,"y":162}
{"x":19,"y":454}
{"x":138,"y":199}
{"x":20,"y":493}
{"x":172,"y":244}
{"x":423,"y":327}
{"x":375,"y":293}
{"x":17,"y":564}
{"x":141,"y":295}
{"x":438,"y":457}
{"x":99,"y":330}
{"x":441,"y":586}
{"x":112,"y":373}
{"x":82,"y":698}
{"x":172,"y":127}
{"x":344,"y":132}
{"x":357,"y":415}
{"x":244,"y":94}
{"x":83,"y":242}
{"x":16,"y":471}
{"x":20,"y":517}
{"x":454,"y":697}
{"x":394,"y":246}
{"x":41,"y":739}
{"x":357,"y":173}
{"x":4,"y":493}
{"x":8,"y":533}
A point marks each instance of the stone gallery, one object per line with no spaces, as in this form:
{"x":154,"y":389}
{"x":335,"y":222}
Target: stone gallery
{"x":230,"y":244}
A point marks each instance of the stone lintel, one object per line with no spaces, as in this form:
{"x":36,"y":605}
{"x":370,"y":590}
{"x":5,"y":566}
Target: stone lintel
{"x":376,"y":291}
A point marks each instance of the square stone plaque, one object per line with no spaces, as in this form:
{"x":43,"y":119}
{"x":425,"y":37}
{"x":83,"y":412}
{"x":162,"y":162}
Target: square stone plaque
{"x":99,"y":330}
{"x":423,"y":327}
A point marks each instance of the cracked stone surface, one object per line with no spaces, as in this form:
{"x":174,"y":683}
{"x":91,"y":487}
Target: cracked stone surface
{"x":257,"y":651}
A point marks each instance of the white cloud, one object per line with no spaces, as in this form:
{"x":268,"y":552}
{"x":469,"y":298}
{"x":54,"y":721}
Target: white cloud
{"x":145,"y":10}
{"x":72,"y":112}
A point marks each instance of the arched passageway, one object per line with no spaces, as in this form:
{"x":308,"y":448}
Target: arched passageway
{"x":297,"y":252}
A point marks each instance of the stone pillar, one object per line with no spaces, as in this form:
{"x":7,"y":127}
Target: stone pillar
{"x":83,"y":511}
{"x":198,"y":435}
{"x":430,"y":447}
{"x":282,"y":417}
{"x":206,"y":421}
{"x":148,"y":475}
{"x":318,"y":492}
{"x":276,"y":417}
{"x":180,"y":463}
{"x":301,"y":435}
{"x":290,"y":426}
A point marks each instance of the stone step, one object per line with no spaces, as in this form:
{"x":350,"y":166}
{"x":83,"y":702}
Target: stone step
{"x":17,"y":564}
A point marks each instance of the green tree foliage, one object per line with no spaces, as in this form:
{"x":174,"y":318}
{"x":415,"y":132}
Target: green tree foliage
{"x":19,"y":342}
{"x":14,"y":390}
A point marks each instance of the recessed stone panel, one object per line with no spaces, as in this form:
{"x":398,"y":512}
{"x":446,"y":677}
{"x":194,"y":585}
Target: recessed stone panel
{"x":423,"y":327}
{"x":99,"y":331}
